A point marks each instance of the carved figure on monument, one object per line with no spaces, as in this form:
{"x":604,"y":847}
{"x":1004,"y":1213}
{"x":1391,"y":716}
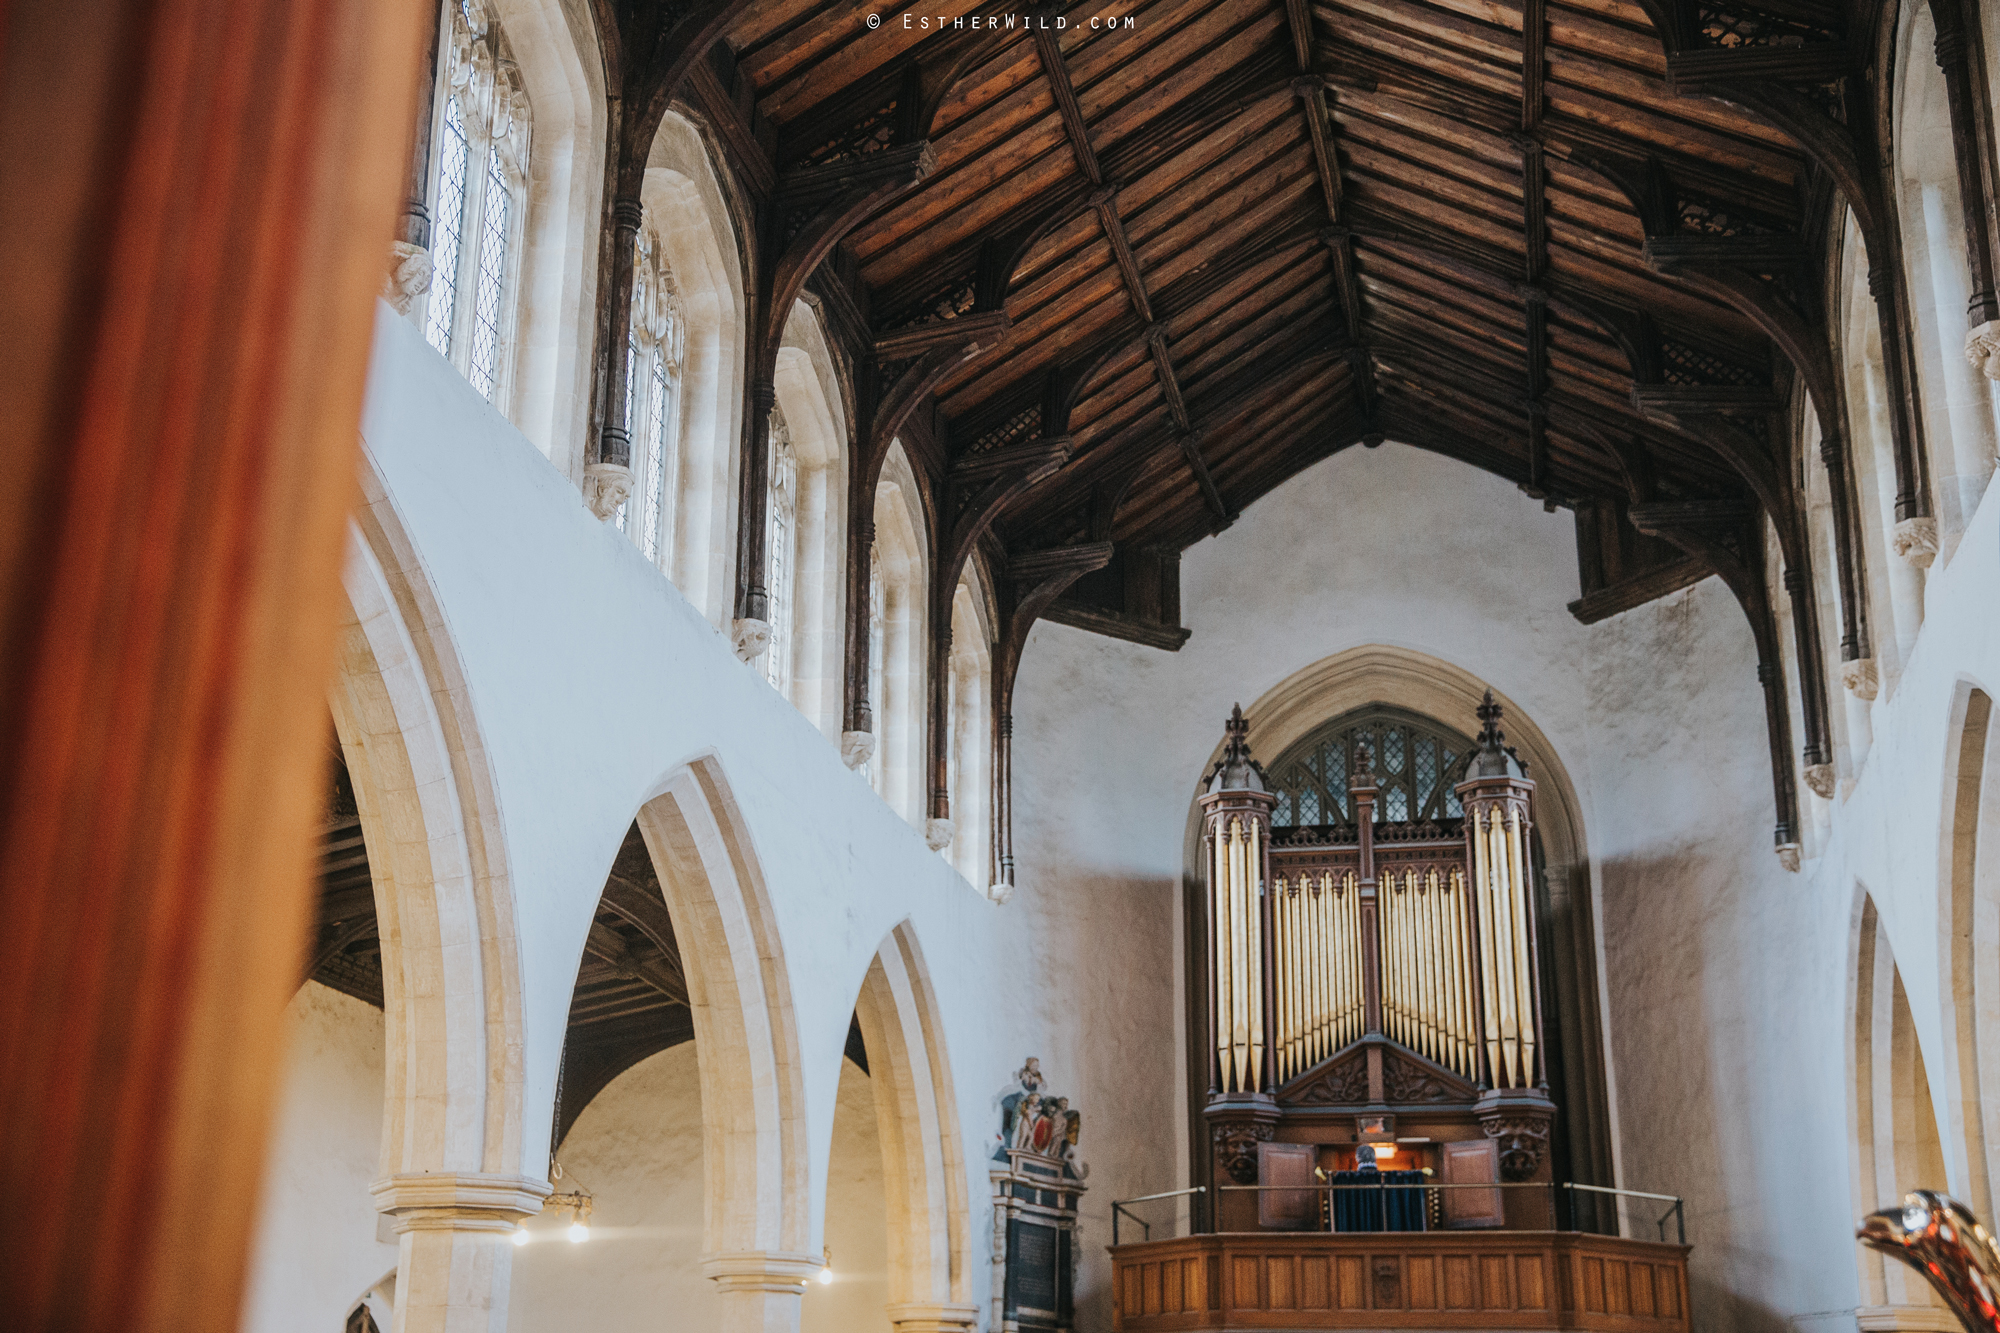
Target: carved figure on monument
{"x":1026,"y":1121}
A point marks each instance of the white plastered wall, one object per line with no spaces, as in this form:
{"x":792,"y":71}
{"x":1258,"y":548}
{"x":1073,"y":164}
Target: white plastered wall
{"x":318,"y":1250}
{"x":600,"y":692}
{"x":1725,"y":980}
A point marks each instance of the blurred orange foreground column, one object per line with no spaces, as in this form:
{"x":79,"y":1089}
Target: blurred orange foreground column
{"x":196,"y":202}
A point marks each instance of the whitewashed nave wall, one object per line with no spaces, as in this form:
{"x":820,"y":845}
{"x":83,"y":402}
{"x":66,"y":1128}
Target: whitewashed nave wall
{"x":1727,"y":995}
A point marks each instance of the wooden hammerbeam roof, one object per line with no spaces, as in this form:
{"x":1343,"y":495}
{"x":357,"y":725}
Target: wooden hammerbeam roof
{"x":1234,"y":236}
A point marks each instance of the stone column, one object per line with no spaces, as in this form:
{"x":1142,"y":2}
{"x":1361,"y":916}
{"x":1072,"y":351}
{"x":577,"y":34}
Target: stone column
{"x":760,"y":1289}
{"x":455,"y":1250}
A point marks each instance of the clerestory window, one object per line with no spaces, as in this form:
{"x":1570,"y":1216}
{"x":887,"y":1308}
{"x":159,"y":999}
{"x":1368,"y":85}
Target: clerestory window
{"x":478,"y":203}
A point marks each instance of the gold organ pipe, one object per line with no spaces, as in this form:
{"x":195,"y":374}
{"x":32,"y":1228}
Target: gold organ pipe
{"x":1313,"y":962}
{"x":1287,"y":925}
{"x":1413,"y":965}
{"x":1324,"y":968}
{"x":1434,"y":979}
{"x":1413,"y":954}
{"x":1226,"y":941}
{"x":1252,"y":862}
{"x":1523,"y":974}
{"x":1456,"y":961}
{"x":1284,"y":970}
{"x":1406,"y":951}
{"x":1503,"y":947}
{"x":1483,"y":896}
{"x":1239,"y":989}
{"x":1307,"y":957}
{"x":1448,"y":970}
{"x":1357,"y":1014}
{"x":1336,"y":1029}
{"x":1393,"y":985}
{"x":1441,"y":971}
{"x":1413,"y":1032}
{"x":1426,"y":981}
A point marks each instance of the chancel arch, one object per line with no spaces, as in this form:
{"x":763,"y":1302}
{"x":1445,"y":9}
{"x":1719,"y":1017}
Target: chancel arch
{"x":1413,"y":1017}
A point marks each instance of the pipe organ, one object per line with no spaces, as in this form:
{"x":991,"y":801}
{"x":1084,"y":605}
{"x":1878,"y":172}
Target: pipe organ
{"x":1369,"y":976}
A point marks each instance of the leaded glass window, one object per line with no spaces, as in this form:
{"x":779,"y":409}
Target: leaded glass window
{"x":781,"y":537}
{"x":468,"y":313}
{"x":445,"y":242}
{"x":1416,"y":763}
{"x":485,"y":362}
{"x":653,"y":363}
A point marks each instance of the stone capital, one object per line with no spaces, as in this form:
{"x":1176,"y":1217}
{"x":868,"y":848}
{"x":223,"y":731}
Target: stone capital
{"x":458,"y":1201}
{"x":938,"y":833}
{"x":917,"y":1317}
{"x":762,"y":1270}
{"x":1982,"y":348}
{"x":605,"y":486}
{"x":751,"y":637}
{"x":1916,"y":540}
{"x":409,"y":275}
{"x":1859,"y":677}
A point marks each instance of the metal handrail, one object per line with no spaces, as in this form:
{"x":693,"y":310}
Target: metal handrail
{"x":1678,"y":1212}
{"x":1118,"y":1206}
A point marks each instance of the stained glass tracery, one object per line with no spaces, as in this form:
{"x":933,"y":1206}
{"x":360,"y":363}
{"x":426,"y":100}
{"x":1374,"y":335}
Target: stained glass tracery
{"x":1416,"y":764}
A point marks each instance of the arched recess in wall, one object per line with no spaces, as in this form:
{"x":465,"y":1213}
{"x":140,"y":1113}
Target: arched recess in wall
{"x":556,"y":47}
{"x":899,"y":637}
{"x":1895,"y":593}
{"x":407,"y":731}
{"x":1894,"y":1126}
{"x":1430,"y":687}
{"x":1958,"y":401}
{"x":969,"y":715}
{"x":923,"y":1161}
{"x":814,"y":543}
{"x":756,"y":1213}
{"x":1969,"y":920}
{"x":683,"y":199}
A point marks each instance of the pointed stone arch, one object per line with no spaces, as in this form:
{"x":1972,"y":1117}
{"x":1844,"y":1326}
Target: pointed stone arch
{"x":1896,"y":1144}
{"x":923,"y":1159}
{"x":756,"y":1221}
{"x":452,"y":1116}
{"x":1416,"y":682}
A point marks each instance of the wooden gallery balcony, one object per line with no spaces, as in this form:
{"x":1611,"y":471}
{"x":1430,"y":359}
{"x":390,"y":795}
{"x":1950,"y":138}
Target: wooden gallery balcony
{"x":1494,"y":1280}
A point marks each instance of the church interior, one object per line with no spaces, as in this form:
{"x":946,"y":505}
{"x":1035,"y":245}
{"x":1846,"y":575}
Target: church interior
{"x":969,"y":667}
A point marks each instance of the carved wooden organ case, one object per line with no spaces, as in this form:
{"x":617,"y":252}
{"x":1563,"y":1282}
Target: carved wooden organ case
{"x":1375,"y":980}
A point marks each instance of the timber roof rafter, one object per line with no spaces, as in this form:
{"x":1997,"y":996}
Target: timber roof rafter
{"x":1231,"y":237}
